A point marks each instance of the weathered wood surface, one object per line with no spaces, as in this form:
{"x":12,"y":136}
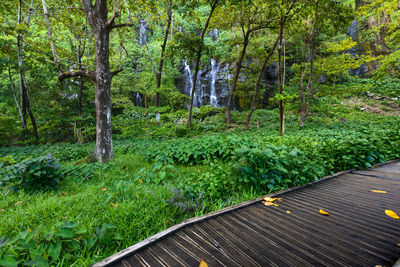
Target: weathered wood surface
{"x":356,"y":233}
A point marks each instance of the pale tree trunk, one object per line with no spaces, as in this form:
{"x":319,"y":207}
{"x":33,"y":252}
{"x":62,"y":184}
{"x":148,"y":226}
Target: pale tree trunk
{"x":329,"y":103}
{"x":302,"y":96}
{"x":280,"y":81}
{"x":312,"y":56}
{"x":102,"y":86}
{"x":197,"y":65}
{"x":257,"y":86}
{"x":14,"y":94}
{"x":25,"y":102}
{"x":238,"y":67}
{"x":163,"y":47}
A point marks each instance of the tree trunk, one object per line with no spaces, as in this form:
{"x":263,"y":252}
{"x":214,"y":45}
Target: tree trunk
{"x":280,"y":82}
{"x":257,"y":86}
{"x":197,"y":66}
{"x":238,"y":66}
{"x":102,"y":81}
{"x":163,"y":47}
{"x":302,"y":97}
{"x":312,"y":56}
{"x":14,"y":94}
{"x":25,"y":103}
{"x":329,"y":103}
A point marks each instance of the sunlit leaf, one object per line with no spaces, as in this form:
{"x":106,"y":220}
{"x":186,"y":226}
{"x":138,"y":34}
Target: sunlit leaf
{"x":288,"y":212}
{"x":392,"y":214}
{"x":378,"y":191}
{"x":323,"y":212}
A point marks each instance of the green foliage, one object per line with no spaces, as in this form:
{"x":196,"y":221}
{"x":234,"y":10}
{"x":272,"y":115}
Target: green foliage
{"x":33,"y":174}
{"x":64,"y":238}
{"x":7,"y":129}
{"x":216,"y":183}
{"x":196,"y":150}
{"x":276,"y":167}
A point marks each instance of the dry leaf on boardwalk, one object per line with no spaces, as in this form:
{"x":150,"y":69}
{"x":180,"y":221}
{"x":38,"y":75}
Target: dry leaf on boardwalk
{"x":270,"y":201}
{"x":203,"y":264}
{"x":288,"y":212}
{"x":323,"y":212}
{"x":378,"y":191}
{"x":392,"y":214}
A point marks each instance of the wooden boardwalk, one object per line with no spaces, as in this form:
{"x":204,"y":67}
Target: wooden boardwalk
{"x":357,"y":231}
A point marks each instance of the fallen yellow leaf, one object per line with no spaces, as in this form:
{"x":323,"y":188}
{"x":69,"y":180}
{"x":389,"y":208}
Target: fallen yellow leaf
{"x":203,"y":264}
{"x":104,"y":189}
{"x":323,"y":212}
{"x":378,"y":191}
{"x":140,"y":181}
{"x":2,"y":210}
{"x":17,"y":203}
{"x":276,"y":205}
{"x":268,"y":203}
{"x":392,"y":214}
{"x":272,"y":199}
{"x":115,"y":205}
{"x":398,"y":244}
{"x":288,"y":212}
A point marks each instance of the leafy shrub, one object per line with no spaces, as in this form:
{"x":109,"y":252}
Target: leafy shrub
{"x":275,"y":167}
{"x":214,"y":184}
{"x":207,"y":111}
{"x":185,"y":201}
{"x":33,"y":174}
{"x":196,"y":150}
{"x":181,"y":130}
{"x":64,"y":238}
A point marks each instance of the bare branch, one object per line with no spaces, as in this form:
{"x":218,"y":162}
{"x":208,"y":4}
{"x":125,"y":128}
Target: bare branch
{"x":113,"y":73}
{"x":122,"y":25}
{"x":74,"y":73}
{"x":110,"y":22}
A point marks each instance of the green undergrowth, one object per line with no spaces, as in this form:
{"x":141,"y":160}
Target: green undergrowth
{"x":87,"y":211}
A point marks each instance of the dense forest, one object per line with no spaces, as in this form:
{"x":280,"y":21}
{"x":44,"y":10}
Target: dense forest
{"x":114,"y":111}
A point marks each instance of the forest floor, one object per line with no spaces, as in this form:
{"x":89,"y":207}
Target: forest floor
{"x":153,"y":183}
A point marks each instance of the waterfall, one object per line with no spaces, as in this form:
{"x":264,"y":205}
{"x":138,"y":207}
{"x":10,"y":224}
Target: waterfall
{"x":138,"y":101}
{"x":213,"y":78}
{"x":188,"y":82}
{"x":142,"y":32}
{"x":214,"y":34}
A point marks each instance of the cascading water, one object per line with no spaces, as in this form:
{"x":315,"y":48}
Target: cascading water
{"x":188,"y":82}
{"x":142,"y":32}
{"x":213,"y":78}
{"x":138,"y":101}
